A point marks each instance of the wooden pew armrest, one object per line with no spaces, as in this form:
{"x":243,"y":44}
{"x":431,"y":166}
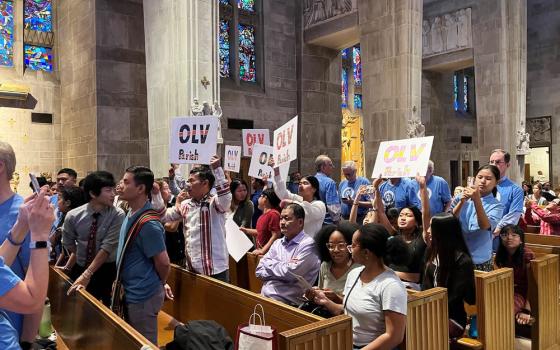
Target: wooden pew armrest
{"x":467,"y":344}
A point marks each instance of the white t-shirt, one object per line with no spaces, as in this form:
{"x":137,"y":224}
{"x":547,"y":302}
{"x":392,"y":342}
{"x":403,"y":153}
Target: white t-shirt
{"x":366,"y":303}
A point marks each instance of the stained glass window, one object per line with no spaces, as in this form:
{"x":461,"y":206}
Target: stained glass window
{"x":38,"y":58}
{"x":224,"y":2}
{"x":357,"y":66}
{"x":357,"y":101}
{"x":344,"y":88}
{"x":344,"y":53}
{"x":247,"y":58}
{"x":465,"y":94}
{"x":38,"y":15}
{"x":6,"y":33}
{"x":247,"y":5}
{"x":455,"y":93}
{"x":224,"y":49}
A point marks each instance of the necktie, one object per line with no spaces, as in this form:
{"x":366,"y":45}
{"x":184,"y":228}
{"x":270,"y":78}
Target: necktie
{"x":90,"y":251}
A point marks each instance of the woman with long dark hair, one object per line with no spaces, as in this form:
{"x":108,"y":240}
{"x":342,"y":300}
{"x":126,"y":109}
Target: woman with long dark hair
{"x":479,"y":212}
{"x":241,"y":205}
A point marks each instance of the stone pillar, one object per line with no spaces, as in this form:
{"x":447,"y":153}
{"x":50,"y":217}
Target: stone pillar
{"x":391,"y":43}
{"x":181,"y":65}
{"x":500,"y":55}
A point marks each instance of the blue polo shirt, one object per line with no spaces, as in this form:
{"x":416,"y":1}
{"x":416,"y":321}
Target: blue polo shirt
{"x":9,"y":337}
{"x":139,"y":276}
{"x":438,"y":191}
{"x":348,"y":189}
{"x":400,"y":195}
{"x":479,"y":241}
{"x":328,"y":194}
{"x":8,"y":215}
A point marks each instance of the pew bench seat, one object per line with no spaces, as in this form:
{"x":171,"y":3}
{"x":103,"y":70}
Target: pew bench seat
{"x":166,"y":328}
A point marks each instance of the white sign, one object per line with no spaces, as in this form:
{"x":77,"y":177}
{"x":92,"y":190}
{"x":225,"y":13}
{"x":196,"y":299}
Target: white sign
{"x":232,"y":159}
{"x":238,"y":244}
{"x":259,"y":164}
{"x":285,"y":142}
{"x":193,"y":139}
{"x":403,"y":158}
{"x":252,"y":137}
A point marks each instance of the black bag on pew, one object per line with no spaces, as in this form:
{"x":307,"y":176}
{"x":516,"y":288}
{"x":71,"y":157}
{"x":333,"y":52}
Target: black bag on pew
{"x":315,"y":309}
{"x":201,"y":334}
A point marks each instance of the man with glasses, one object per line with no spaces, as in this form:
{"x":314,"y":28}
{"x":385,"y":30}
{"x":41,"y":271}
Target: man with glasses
{"x":91,"y":235}
{"x":509,"y":194}
{"x":327,"y":189}
{"x":348,"y":190}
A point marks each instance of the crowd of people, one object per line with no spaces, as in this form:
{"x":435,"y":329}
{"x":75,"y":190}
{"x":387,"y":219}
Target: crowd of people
{"x":350,"y":248}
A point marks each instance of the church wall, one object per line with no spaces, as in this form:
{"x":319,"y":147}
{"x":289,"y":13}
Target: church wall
{"x":543,"y":70}
{"x":37,"y":146}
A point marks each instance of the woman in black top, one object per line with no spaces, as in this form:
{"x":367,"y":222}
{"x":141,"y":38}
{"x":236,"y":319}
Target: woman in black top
{"x":448,"y":262}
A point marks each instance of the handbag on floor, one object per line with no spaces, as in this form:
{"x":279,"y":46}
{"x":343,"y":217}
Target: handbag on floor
{"x":256,"y":334}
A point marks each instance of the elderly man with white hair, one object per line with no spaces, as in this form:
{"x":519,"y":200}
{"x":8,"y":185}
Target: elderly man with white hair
{"x":348,"y":190}
{"x":327,"y":189}
{"x":438,"y":191}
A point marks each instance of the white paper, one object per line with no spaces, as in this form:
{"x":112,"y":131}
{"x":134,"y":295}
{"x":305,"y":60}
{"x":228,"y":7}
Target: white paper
{"x":259,"y":164}
{"x":238,"y":244}
{"x":403,"y":158}
{"x":285,"y":142}
{"x":193,"y":140}
{"x":252,"y":137}
{"x":232,"y":158}
{"x":301,"y":281}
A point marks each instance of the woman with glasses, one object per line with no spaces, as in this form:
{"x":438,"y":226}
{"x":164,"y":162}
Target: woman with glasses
{"x":513,"y":253}
{"x":336,"y":260}
{"x":479,"y":212}
{"x":374,"y":296}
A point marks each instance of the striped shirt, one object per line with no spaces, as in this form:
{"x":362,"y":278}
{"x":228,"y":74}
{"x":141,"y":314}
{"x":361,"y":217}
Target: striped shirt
{"x":204,"y":228}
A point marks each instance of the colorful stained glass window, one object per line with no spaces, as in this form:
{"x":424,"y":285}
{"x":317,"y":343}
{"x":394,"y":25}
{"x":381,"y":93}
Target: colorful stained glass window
{"x":344,"y":88}
{"x":247,"y":5}
{"x":38,"y":58}
{"x":357,"y":66}
{"x":465,"y":94}
{"x":38,"y":15}
{"x":357,"y":101}
{"x":345,"y":53}
{"x":224,"y":49}
{"x":6,"y":33}
{"x":247,"y":58}
{"x":224,"y":2}
{"x":455,"y":93}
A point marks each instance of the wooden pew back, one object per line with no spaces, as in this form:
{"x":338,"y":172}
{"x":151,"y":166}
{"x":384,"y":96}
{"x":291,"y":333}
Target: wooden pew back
{"x":427,"y":320}
{"x":84,"y":323}
{"x":199,"y":297}
{"x":254,"y":283}
{"x":543,"y":297}
{"x":532,"y":238}
{"x":494,"y":304}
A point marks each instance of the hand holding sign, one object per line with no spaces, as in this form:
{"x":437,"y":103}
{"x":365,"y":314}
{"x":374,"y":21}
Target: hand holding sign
{"x":193,"y":139}
{"x":259,"y":167}
{"x":285,"y":142}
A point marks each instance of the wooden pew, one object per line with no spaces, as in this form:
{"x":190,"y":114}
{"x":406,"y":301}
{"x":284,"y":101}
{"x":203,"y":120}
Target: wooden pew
{"x":253,"y":283}
{"x":202,"y":298}
{"x":84,"y":323}
{"x":532,"y":238}
{"x":543,"y":297}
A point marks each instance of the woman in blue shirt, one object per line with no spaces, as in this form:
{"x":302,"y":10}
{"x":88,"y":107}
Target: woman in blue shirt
{"x":479,"y":212}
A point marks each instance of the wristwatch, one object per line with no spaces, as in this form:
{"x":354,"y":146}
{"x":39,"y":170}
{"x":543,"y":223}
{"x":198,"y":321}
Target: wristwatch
{"x":38,"y":244}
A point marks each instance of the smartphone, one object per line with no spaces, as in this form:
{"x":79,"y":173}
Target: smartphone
{"x":370,"y":190}
{"x":470,"y":181}
{"x":34,"y":183}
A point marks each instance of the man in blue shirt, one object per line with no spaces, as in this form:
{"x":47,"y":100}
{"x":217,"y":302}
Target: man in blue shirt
{"x":438,"y":191}
{"x":348,"y":190}
{"x":257,"y":185}
{"x":510,"y":194}
{"x":327,"y":189}
{"x":398,"y":193}
{"x":145,"y":263}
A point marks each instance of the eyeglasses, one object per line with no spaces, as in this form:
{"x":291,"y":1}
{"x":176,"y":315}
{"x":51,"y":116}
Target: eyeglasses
{"x":496,"y":162}
{"x":350,"y":247}
{"x":335,"y":246}
{"x":506,"y":234}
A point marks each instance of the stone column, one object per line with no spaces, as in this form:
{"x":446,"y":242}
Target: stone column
{"x":181,"y":66}
{"x":500,"y":55}
{"x":391,"y":43}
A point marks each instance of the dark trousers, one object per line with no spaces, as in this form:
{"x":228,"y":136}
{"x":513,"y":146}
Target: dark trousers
{"x":101,"y":282}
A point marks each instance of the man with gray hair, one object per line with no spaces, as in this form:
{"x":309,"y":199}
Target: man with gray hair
{"x":438,"y":191}
{"x":327,"y":189}
{"x":348,"y":190}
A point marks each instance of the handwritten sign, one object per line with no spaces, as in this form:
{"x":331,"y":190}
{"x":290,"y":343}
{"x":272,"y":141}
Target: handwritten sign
{"x":403,"y":158}
{"x":232,"y":158}
{"x":193,"y":139}
{"x":252,"y":137}
{"x":285,"y":142}
{"x":259,"y":164}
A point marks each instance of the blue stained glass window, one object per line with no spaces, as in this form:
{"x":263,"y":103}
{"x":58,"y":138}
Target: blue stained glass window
{"x":6,"y":33}
{"x":247,"y":58}
{"x":465,"y":94}
{"x":38,"y":58}
{"x":224,"y":49}
{"x":247,"y":5}
{"x":357,"y":101}
{"x":345,"y":53}
{"x":38,"y":15}
{"x":344,"y":88}
{"x":357,"y":66}
{"x":455,"y":93}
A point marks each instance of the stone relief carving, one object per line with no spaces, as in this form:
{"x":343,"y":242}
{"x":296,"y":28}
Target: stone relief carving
{"x":446,"y":33}
{"x":315,"y":11}
{"x":415,"y":128}
{"x":205,"y":108}
{"x":540,"y":131}
{"x":523,"y":139}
